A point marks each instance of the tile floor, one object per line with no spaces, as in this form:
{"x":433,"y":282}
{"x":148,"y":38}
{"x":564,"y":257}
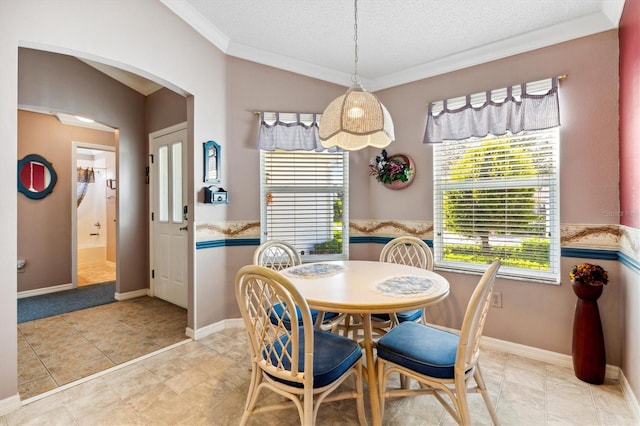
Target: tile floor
{"x":96,"y":274}
{"x":58,"y":350}
{"x":204,"y":382}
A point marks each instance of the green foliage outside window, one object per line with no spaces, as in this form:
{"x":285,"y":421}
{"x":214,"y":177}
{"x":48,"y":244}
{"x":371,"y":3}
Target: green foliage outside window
{"x":480,"y":212}
{"x":510,"y":255}
{"x":333,"y":246}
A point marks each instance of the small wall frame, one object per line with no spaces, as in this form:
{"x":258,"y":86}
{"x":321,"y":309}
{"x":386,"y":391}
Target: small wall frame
{"x":36,"y":177}
{"x":211,"y":162}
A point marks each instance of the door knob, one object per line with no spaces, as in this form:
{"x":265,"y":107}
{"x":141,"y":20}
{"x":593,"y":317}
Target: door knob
{"x":184,"y":228}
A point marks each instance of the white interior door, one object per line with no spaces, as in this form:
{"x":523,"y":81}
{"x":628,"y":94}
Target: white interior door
{"x":169,"y":217}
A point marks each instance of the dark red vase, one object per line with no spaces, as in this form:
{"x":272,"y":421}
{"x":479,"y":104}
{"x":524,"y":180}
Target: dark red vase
{"x":589,"y":360}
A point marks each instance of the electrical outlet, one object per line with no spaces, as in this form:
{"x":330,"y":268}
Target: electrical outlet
{"x":496,"y":299}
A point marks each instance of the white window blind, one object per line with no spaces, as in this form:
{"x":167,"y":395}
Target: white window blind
{"x":497,"y":197}
{"x":304,"y":201}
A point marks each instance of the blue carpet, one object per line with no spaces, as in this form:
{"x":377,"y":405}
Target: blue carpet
{"x":61,"y":302}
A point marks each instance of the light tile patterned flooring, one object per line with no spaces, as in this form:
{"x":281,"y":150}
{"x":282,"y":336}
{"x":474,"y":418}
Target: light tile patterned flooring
{"x":96,"y":274}
{"x":57,"y":350}
{"x":204,"y":382}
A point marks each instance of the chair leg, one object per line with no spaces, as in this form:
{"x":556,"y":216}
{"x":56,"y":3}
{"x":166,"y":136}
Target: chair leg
{"x":405,"y":383}
{"x":360,"y":390}
{"x":309,"y":412}
{"x":423,"y":317}
{"x":252,"y":398}
{"x":255,"y":379}
{"x":382,"y":386}
{"x":477,"y":376}
{"x":461,"y":402}
{"x":347,"y":325}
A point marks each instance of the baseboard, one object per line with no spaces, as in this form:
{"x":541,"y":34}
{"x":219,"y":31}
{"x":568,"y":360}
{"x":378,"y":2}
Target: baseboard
{"x":632,"y":401}
{"x":56,"y":288}
{"x":555,"y":358}
{"x":44,"y":290}
{"x":10,"y":404}
{"x":206,"y":331}
{"x":234,"y":323}
{"x":131,"y":294}
{"x":214,"y":328}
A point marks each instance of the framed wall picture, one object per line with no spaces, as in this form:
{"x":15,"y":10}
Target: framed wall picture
{"x":36,"y":177}
{"x":211,"y":162}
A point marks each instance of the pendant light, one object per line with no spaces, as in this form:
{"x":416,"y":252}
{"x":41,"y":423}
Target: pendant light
{"x":356,"y":119}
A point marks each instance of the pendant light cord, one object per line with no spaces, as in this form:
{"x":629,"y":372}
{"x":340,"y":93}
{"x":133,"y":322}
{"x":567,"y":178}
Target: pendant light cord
{"x":355,"y":78}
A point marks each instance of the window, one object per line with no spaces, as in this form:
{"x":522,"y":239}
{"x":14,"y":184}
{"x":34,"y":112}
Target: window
{"x":304,"y":201}
{"x":497,"y":197}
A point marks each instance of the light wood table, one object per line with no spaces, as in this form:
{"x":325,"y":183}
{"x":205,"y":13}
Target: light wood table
{"x":367,"y":287}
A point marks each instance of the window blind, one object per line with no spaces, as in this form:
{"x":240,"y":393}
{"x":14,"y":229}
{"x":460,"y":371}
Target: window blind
{"x":497,"y":197}
{"x":305,"y":202}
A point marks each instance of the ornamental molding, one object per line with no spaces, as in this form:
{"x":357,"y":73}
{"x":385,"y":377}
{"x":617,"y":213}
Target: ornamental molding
{"x":227,"y":229}
{"x":630,"y":242}
{"x":391,"y":228}
{"x":589,"y":236}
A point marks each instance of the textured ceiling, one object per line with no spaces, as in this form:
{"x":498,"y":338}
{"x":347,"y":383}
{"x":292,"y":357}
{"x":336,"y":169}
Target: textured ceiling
{"x":399,"y":40}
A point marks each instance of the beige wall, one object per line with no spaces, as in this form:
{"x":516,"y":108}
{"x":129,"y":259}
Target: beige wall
{"x":164,"y":108}
{"x":588,"y":114}
{"x":44,"y":226}
{"x":534,"y":314}
{"x":62,"y":83}
{"x":48,"y":248}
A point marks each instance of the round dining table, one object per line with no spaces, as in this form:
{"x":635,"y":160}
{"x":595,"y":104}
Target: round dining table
{"x":365,"y":288}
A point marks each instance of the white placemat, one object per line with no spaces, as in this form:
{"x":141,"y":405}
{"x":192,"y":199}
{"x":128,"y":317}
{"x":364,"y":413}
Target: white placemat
{"x":314,"y":270}
{"x":406,"y":286}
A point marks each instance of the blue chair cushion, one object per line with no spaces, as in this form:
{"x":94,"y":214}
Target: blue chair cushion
{"x":413,"y":315}
{"x":278,"y":311}
{"x":421,"y":348}
{"x":333,"y":355}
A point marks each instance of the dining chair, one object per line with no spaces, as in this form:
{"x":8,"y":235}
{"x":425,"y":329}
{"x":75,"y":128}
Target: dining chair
{"x":303,"y":364}
{"x":405,"y":250}
{"x":442,"y":362}
{"x":278,"y":255}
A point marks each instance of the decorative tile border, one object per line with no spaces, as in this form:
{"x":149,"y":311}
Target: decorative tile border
{"x":391,"y":228}
{"x":226,"y":230}
{"x":630,"y":241}
{"x":590,"y":236}
{"x":577,"y":240}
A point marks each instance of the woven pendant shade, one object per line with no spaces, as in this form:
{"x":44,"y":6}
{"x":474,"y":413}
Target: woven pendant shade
{"x":356,"y":120}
